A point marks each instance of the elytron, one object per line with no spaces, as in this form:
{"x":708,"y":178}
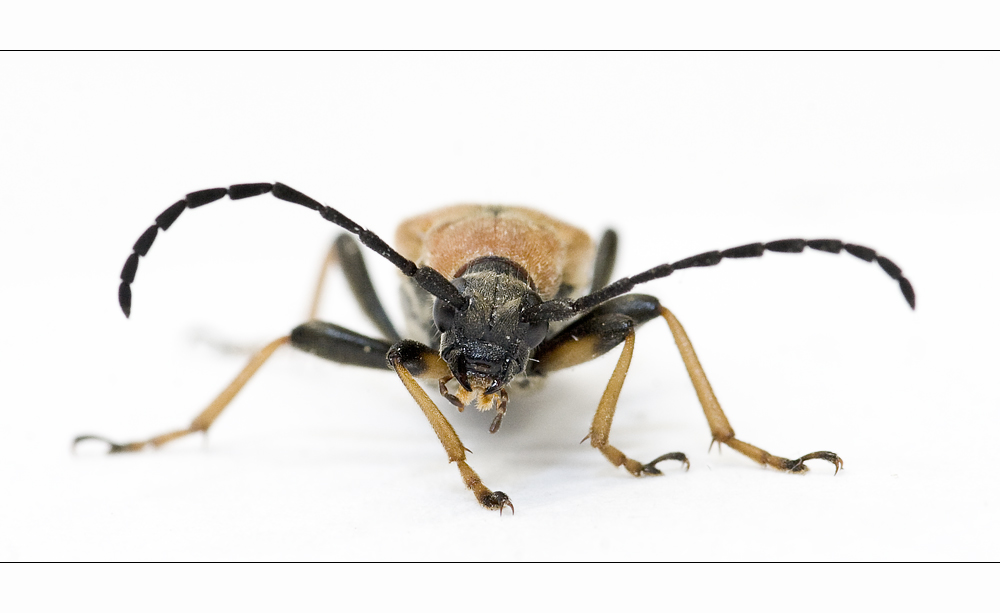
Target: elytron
{"x":495,"y":297}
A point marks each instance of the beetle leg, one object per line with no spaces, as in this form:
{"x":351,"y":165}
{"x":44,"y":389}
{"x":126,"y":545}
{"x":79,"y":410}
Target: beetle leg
{"x":346,"y":252}
{"x":600,"y":429}
{"x":338,"y":344}
{"x":611,"y":324}
{"x":501,"y":410}
{"x":204,"y":419}
{"x":412,"y":359}
{"x":596,"y":333}
{"x":452,"y":398}
{"x":604,"y":262}
{"x":326,"y":340}
{"x":722,"y":432}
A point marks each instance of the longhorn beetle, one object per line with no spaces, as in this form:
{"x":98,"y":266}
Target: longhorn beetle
{"x":495,"y":297}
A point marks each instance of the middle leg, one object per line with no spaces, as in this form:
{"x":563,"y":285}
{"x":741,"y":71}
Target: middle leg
{"x":325,"y":340}
{"x":346,"y":252}
{"x":722,"y":432}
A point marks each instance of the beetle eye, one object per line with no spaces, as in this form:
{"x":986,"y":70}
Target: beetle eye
{"x":444,"y":315}
{"x":536,"y":333}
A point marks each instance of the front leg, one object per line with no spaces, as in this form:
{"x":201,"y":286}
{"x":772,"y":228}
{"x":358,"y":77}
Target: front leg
{"x":412,"y":359}
{"x":601,"y":427}
{"x":593,"y":335}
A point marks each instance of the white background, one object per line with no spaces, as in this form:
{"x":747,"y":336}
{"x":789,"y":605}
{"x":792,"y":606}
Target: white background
{"x":680,"y":153}
{"x":514,"y":24}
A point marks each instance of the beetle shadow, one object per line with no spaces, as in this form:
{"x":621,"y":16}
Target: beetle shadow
{"x":552,"y":419}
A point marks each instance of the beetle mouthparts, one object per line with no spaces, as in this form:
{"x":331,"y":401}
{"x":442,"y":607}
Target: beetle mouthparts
{"x":480,"y":396}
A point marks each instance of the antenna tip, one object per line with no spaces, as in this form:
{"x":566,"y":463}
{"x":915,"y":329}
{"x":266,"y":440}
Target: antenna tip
{"x":125,"y":298}
{"x":908,"y":293}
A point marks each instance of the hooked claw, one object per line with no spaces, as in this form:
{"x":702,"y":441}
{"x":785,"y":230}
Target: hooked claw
{"x":797,"y":466}
{"x":651,"y":469}
{"x":497,"y":500}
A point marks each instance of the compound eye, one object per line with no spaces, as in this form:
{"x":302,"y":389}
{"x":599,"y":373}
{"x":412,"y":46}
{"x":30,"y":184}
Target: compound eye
{"x":536,"y":333}
{"x":537,"y":330}
{"x":444,"y":315}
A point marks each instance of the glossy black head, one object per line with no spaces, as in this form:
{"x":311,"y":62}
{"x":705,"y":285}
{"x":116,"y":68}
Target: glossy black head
{"x":487,"y":343}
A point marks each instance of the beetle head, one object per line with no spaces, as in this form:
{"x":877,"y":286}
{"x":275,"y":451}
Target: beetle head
{"x":487,"y":343}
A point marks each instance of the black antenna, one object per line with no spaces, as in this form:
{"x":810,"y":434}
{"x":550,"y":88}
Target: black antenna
{"x":556,"y":310}
{"x":427,"y":278}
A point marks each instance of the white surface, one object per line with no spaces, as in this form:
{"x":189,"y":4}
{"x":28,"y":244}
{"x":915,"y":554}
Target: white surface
{"x":682,"y":154}
{"x":515,"y":24}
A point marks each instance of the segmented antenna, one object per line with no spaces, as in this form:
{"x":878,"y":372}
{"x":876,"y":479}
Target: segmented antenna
{"x":427,"y":278}
{"x":556,"y":310}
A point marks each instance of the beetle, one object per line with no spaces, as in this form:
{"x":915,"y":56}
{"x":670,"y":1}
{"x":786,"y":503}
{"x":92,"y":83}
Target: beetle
{"x":495,"y":297}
